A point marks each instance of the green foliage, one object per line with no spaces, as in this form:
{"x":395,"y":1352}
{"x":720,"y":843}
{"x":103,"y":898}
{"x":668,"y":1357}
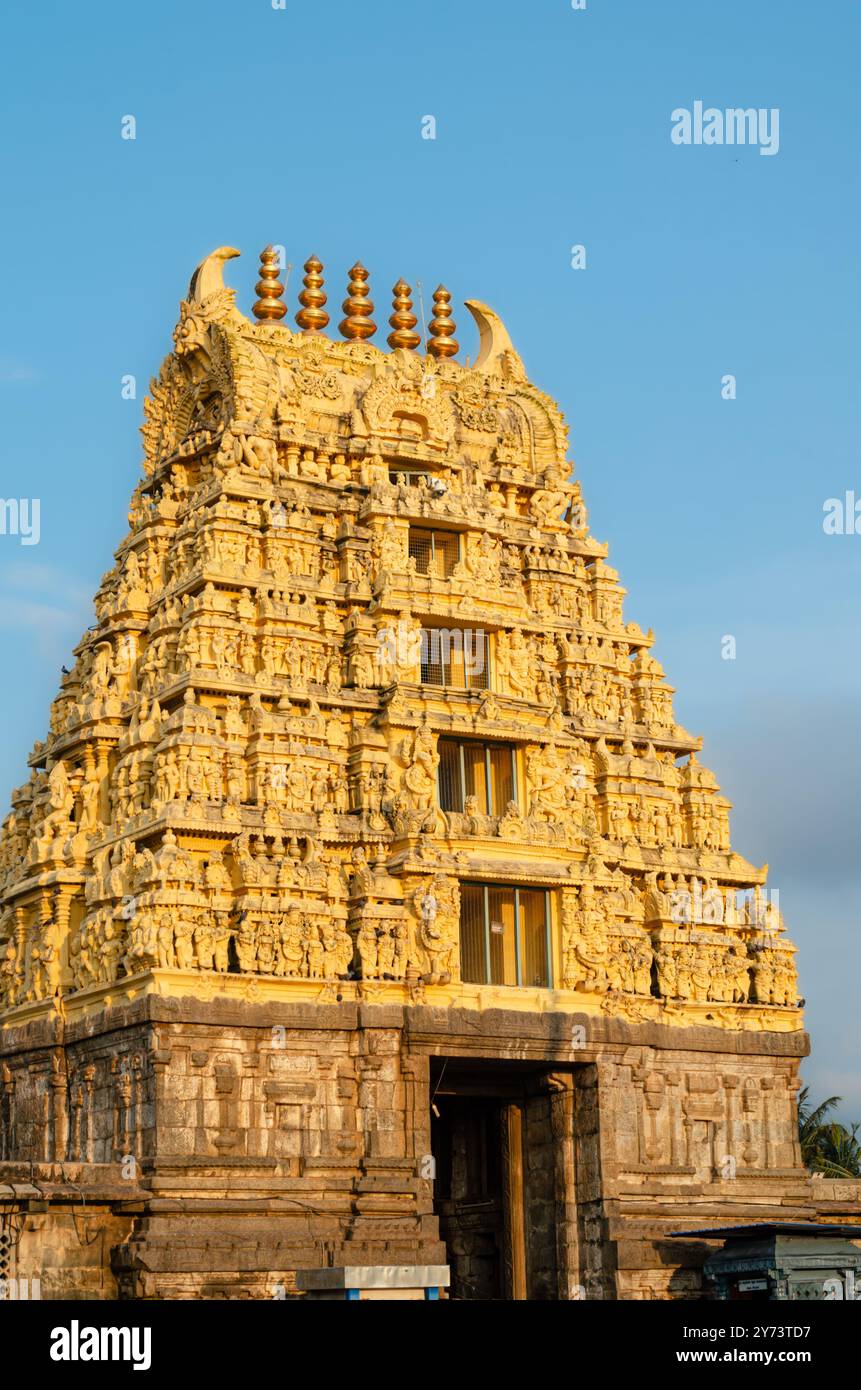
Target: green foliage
{"x":827,"y":1147}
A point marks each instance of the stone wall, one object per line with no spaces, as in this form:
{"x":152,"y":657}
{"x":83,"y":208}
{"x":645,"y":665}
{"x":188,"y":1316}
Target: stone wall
{"x":59,"y":1224}
{"x":245,"y":1141}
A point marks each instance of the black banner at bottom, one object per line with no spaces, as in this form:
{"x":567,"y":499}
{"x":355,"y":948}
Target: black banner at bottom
{"x":55,"y":1340}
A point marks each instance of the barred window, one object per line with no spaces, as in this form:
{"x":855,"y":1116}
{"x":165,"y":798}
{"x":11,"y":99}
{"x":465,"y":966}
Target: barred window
{"x":435,"y":552}
{"x":504,"y":935}
{"x":451,"y":656}
{"x":487,"y":771}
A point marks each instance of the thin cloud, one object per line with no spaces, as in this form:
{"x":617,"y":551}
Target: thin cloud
{"x":16,"y":373}
{"x":43,"y":579}
{"x":825,"y":1081}
{"x":52,"y":624}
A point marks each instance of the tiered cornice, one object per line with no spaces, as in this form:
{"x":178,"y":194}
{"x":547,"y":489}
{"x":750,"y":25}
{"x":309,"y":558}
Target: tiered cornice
{"x":361,"y":715}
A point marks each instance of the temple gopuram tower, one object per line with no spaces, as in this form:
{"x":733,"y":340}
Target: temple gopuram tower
{"x":366,"y":904}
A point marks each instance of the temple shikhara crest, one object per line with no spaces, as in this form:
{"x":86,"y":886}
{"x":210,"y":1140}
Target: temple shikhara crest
{"x":366,"y":904}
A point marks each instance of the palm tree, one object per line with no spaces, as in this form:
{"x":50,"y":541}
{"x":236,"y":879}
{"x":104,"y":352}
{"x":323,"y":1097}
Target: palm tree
{"x":827,"y":1148}
{"x":840,"y":1153}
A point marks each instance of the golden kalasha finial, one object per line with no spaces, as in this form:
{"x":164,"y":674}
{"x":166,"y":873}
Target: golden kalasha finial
{"x":403,"y":320}
{"x":312,"y":317}
{"x":269,"y":288}
{"x":357,"y":306}
{"x":441,"y":343}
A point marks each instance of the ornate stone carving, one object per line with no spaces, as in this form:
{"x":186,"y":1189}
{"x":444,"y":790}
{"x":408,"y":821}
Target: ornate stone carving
{"x":242,"y":774}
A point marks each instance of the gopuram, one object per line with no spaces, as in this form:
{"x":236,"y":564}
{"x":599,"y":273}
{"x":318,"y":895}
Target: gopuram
{"x":366,"y":905}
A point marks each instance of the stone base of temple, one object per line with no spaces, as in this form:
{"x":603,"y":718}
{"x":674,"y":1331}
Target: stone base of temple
{"x":166,"y":1147}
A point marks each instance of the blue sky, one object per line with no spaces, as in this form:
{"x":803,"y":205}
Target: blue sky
{"x":302,"y":126}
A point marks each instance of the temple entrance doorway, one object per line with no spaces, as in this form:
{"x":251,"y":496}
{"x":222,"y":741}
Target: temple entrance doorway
{"x":495,"y":1189}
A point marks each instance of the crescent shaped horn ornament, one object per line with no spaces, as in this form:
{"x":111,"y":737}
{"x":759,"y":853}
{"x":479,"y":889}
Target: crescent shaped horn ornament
{"x":208,"y":279}
{"x":493,"y":339}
